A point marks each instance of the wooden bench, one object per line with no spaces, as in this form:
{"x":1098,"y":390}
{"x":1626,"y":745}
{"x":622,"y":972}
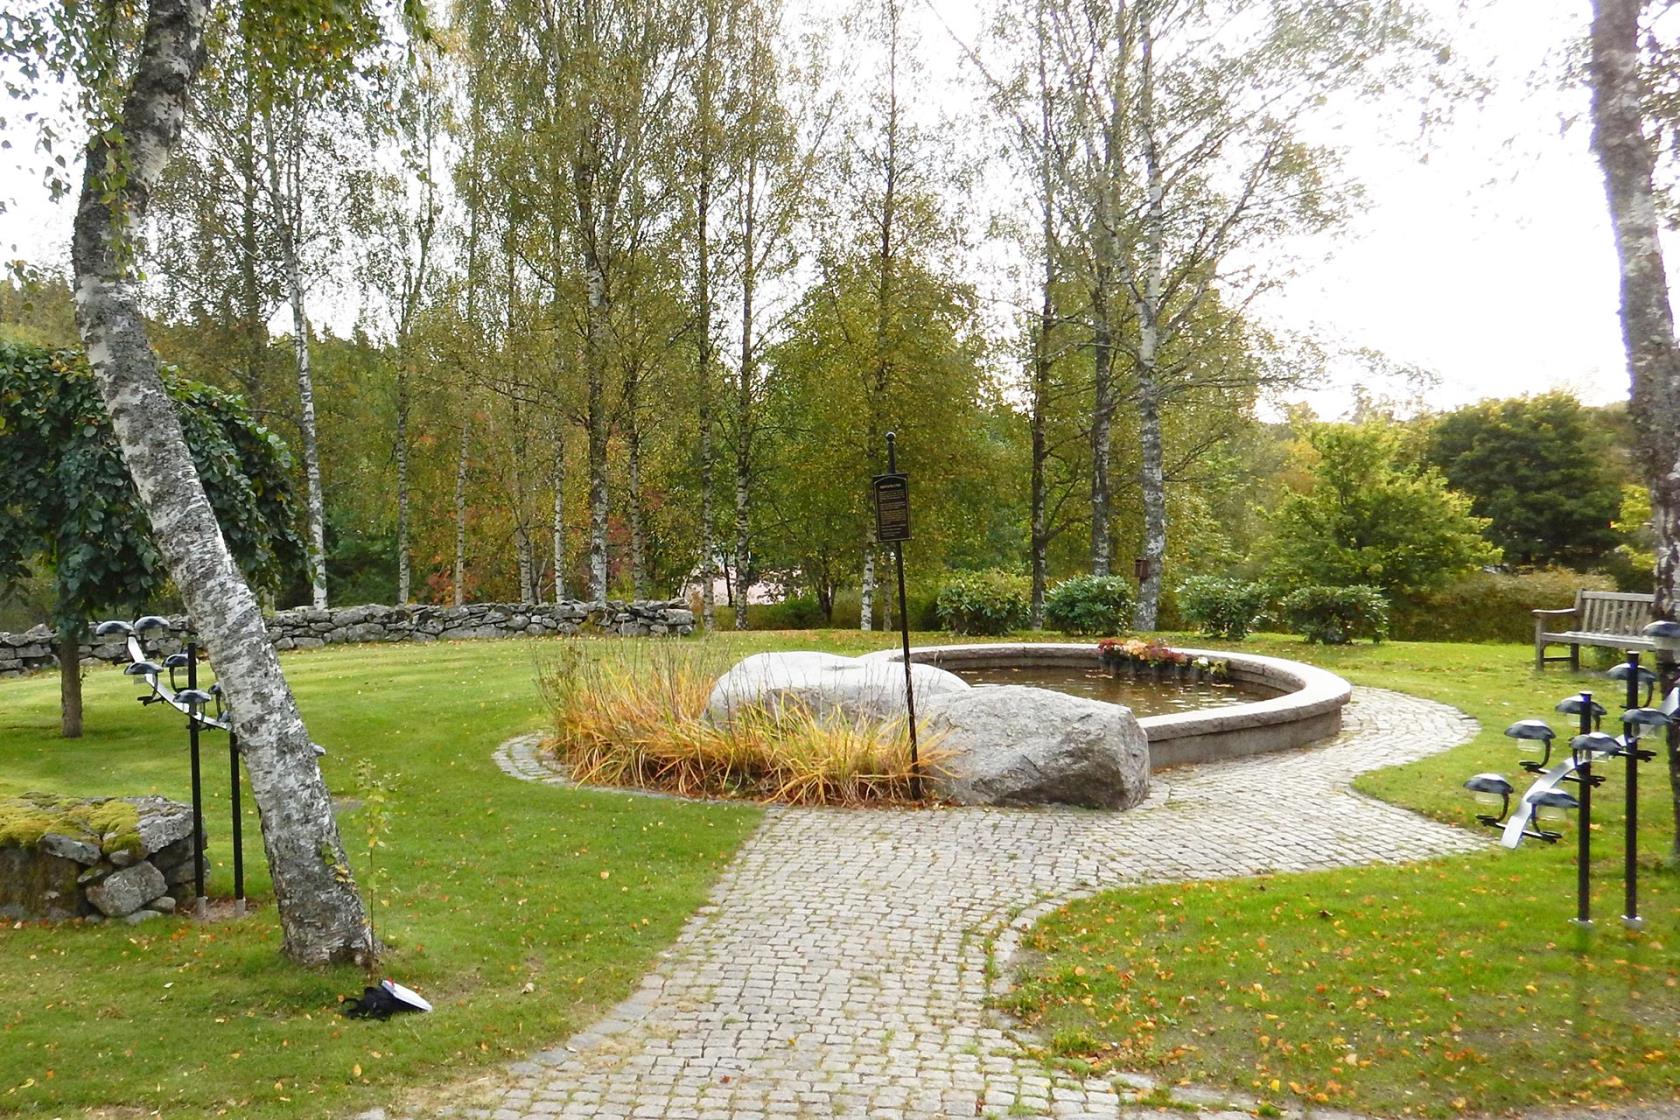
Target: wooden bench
{"x":1612,"y":619}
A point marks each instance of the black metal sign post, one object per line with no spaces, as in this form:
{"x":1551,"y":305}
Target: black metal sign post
{"x":892,"y":526}
{"x":1583,"y":839}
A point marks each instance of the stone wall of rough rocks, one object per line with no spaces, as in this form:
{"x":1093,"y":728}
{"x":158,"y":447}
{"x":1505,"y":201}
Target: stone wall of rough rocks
{"x":306,"y":627}
{"x":134,"y":877}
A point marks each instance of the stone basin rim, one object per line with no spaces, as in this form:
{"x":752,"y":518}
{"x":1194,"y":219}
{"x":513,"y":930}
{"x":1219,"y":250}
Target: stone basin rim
{"x":1309,"y":707}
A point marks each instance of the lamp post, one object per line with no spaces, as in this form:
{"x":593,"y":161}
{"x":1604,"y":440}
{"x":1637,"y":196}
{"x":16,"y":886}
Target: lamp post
{"x":1523,"y":819}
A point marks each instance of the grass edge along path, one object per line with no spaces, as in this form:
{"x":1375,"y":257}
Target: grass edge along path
{"x":1434,"y":989}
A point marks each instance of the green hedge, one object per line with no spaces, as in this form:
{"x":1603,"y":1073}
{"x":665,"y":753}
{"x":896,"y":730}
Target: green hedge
{"x":1491,"y":607}
{"x":1336,"y":615}
{"x":1089,"y":605}
{"x":1220,"y":606}
{"x":991,"y":602}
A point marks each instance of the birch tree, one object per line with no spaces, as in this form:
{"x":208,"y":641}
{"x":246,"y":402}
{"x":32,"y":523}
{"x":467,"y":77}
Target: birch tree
{"x":1190,"y":157}
{"x":1628,"y":158}
{"x":136,"y":104}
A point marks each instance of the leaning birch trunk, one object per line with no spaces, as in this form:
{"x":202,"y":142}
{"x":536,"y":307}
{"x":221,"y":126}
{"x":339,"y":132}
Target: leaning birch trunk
{"x":321,"y":915}
{"x":1629,"y":162}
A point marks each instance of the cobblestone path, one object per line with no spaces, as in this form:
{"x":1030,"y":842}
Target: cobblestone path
{"x":841,"y":967}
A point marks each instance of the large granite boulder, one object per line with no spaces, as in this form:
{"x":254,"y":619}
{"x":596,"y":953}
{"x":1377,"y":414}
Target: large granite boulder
{"x":1014,"y":745}
{"x":824,"y":684}
{"x":123,"y":892}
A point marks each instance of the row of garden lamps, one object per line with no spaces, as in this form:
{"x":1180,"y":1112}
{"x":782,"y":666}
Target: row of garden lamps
{"x":196,"y":704}
{"x":1588,"y":744}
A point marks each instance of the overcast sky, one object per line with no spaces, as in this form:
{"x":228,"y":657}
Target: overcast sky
{"x":1484,"y":253}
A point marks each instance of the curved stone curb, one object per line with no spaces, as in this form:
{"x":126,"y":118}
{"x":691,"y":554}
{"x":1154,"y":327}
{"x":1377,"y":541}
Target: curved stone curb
{"x":843,"y":964}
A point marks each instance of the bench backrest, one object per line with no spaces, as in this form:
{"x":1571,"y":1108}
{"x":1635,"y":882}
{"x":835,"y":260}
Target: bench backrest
{"x":1612,"y":612}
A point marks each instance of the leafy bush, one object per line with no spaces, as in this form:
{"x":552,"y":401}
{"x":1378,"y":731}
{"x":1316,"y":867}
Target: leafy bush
{"x":990,"y":602}
{"x":1490,"y":606}
{"x":1337,"y":615}
{"x":1089,"y":605}
{"x":798,"y":613}
{"x":1221,"y":606}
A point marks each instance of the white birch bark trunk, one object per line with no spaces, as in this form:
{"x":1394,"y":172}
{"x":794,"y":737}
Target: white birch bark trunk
{"x":595,"y":363}
{"x":461,"y":460}
{"x":321,"y":915}
{"x":284,"y":184}
{"x":633,"y":502}
{"x":1628,"y":160}
{"x":557,"y":479}
{"x":1152,"y":480}
{"x":404,"y":574}
{"x":744,"y":396}
{"x":866,"y":593}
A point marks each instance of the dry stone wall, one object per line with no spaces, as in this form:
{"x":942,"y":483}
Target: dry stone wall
{"x":135,"y":876}
{"x":306,"y":628}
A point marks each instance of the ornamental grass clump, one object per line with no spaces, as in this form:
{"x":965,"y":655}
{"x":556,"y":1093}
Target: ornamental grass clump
{"x":637,"y":718}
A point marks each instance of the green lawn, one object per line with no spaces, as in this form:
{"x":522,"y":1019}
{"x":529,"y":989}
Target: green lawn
{"x":523,"y":910}
{"x":520,"y":910}
{"x":1449,"y":986}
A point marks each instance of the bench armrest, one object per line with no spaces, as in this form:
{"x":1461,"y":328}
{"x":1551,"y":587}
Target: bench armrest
{"x":1554,"y":614}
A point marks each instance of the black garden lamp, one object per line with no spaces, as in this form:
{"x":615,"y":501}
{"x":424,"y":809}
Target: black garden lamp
{"x":1665,"y":636}
{"x":1533,"y":736}
{"x":1646,"y":679}
{"x":114,"y":626}
{"x":1577,"y":706}
{"x":173,"y":662}
{"x":1595,"y":742}
{"x":1550,"y":799}
{"x":1491,"y":789}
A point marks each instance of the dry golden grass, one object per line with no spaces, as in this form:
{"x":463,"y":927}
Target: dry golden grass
{"x":636,"y":718}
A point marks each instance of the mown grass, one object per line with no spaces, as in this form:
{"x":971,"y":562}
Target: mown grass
{"x":520,"y":910}
{"x":634,"y":715}
{"x":1431,"y":989}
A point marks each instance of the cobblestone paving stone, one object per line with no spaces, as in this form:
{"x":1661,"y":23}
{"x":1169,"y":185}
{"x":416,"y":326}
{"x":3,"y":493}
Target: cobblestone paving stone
{"x":841,"y":967}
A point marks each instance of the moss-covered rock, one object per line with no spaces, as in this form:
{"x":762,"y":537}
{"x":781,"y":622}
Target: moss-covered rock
{"x":108,"y":823}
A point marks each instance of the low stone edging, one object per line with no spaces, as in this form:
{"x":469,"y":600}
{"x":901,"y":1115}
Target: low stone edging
{"x":1307,"y":709}
{"x":307,"y":628}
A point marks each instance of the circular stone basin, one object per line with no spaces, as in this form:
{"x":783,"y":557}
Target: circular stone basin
{"x":1145,"y":696}
{"x":1287,"y":703}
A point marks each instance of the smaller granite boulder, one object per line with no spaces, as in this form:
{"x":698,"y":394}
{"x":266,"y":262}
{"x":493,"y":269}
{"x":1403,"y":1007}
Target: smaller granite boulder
{"x":123,"y":892}
{"x":68,"y":847}
{"x":1014,"y":745}
{"x":825,"y":685}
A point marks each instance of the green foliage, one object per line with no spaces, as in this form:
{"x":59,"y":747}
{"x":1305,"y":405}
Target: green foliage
{"x":1365,"y":517}
{"x":67,"y":504}
{"x":989,"y":603}
{"x":1089,"y":605}
{"x":1336,"y":615}
{"x":1220,"y":606}
{"x":1542,"y":470}
{"x":1490,"y":606}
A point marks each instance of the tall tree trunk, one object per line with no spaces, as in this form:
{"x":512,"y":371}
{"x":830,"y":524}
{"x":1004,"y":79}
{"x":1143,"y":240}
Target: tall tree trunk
{"x":1152,"y":480}
{"x":1629,"y":162}
{"x":460,"y":571}
{"x":596,"y":371}
{"x":703,"y":372}
{"x":633,"y":486}
{"x":69,"y":683}
{"x":744,"y":397}
{"x":524,"y":559}
{"x":284,"y":183}
{"x":1039,"y":530}
{"x":321,"y":915}
{"x":866,"y":593}
{"x":403,"y":572}
{"x":886,"y":259}
{"x":557,"y":479}
{"x":1102,"y":423}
